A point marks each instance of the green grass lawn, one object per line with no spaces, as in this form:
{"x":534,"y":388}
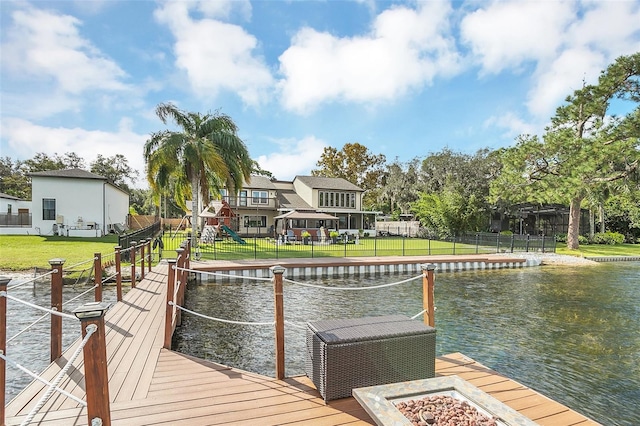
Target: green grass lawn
{"x":591,"y":250}
{"x":23,"y":252}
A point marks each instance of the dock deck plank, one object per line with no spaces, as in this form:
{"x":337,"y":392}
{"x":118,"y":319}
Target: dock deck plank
{"x":154,"y":386}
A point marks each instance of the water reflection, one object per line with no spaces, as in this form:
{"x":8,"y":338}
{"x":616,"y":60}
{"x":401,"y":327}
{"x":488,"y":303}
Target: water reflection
{"x":568,"y":332}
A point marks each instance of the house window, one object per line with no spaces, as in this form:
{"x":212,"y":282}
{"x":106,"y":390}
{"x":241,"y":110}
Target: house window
{"x":243,"y":198}
{"x":9,"y":209}
{"x":345,"y":200}
{"x":255,"y":221}
{"x":48,"y":209}
{"x":260,"y":197}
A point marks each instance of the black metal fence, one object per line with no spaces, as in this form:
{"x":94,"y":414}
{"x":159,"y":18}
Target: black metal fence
{"x":357,"y":246}
{"x":125,"y":240}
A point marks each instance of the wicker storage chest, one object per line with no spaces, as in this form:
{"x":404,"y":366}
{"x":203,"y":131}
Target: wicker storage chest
{"x":344,"y":354}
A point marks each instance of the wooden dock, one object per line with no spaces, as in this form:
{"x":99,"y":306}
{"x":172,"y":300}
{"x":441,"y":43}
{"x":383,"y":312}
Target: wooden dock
{"x":149,"y":385}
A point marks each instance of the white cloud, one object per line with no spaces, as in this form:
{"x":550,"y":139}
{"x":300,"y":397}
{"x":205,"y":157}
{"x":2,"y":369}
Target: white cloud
{"x":26,"y":138}
{"x":405,"y":50}
{"x":564,"y":42}
{"x":216,"y":55}
{"x":561,"y":77}
{"x":45,"y":45}
{"x":512,"y":124}
{"x":294,"y":157}
{"x":503,"y":35}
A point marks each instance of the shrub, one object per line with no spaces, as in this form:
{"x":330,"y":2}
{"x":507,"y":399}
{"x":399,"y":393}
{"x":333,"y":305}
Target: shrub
{"x":582,"y":240}
{"x":509,"y":233}
{"x":610,"y":238}
{"x":561,"y":238}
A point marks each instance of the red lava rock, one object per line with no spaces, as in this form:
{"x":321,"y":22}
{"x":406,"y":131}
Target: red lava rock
{"x":441,"y":410}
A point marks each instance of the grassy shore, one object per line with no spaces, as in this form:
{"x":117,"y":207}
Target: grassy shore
{"x":22,"y":253}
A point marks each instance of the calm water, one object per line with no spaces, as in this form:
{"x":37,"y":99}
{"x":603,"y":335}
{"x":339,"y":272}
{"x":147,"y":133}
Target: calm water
{"x":572,"y":333}
{"x":32,"y":348}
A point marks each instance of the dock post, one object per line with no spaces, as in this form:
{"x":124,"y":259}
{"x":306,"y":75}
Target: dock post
{"x":180,"y":282}
{"x":97,"y":268}
{"x":150,"y":254}
{"x":56,"y":305}
{"x":278,"y":272}
{"x":132,"y":256}
{"x":168,"y":319}
{"x":118,"y":258}
{"x":3,"y":346}
{"x":427,"y":294}
{"x":143,"y":244}
{"x":96,"y":376}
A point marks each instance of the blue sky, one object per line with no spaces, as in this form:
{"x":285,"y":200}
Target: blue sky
{"x":403,"y":78}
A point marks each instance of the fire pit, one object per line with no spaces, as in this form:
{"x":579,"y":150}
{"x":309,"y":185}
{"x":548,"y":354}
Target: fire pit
{"x":424,"y":401}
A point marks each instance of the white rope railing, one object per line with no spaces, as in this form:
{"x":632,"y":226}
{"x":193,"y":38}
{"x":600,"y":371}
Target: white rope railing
{"x":110,"y":277}
{"x":15,"y":336}
{"x":419,"y":313}
{"x":373,"y":287}
{"x":20,"y":284}
{"x":81,"y":263}
{"x":31,"y":305}
{"x":42,"y":380}
{"x":220,"y":319}
{"x":91,"y":328}
{"x":220,"y":274}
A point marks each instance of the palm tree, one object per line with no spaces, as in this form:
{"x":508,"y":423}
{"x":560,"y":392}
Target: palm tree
{"x":204,"y":157}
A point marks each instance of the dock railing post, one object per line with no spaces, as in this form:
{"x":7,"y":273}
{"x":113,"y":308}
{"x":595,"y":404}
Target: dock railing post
{"x":169,"y":309}
{"x":3,"y":346}
{"x":143,"y":258}
{"x":278,"y":272}
{"x":180,"y":274}
{"x":428,"y":303}
{"x":96,"y":377}
{"x":97,"y":276}
{"x":132,"y":257}
{"x":56,"y":305}
{"x":118,"y":259}
{"x":149,"y":250}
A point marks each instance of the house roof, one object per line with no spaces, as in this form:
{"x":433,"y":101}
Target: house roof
{"x":9,"y":197}
{"x":75,"y":174}
{"x":259,"y":182}
{"x":297,"y":214}
{"x":319,"y":182}
{"x":288,"y":199}
{"x":69,"y":173}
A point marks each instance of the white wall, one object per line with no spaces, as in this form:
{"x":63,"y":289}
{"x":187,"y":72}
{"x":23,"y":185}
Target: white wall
{"x":116,"y":207}
{"x":79,"y":202}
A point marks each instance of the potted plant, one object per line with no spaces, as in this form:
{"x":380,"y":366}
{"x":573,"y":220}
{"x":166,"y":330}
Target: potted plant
{"x":306,"y":236}
{"x":334,"y":236}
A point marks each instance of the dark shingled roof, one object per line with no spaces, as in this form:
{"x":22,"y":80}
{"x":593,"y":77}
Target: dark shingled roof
{"x":317,"y":182}
{"x":69,"y":173}
{"x":259,"y":182}
{"x":290,"y":200}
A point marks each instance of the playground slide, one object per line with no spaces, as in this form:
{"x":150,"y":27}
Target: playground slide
{"x":235,"y":236}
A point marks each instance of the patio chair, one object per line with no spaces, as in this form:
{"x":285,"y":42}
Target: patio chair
{"x":291,"y":236}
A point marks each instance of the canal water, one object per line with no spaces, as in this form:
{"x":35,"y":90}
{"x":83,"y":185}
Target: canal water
{"x":31,"y":349}
{"x":569,"y":332}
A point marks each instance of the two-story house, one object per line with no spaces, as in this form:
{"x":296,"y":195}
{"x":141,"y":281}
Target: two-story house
{"x":266,"y":207}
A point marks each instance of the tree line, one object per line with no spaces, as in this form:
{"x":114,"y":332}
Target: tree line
{"x":587,"y":158}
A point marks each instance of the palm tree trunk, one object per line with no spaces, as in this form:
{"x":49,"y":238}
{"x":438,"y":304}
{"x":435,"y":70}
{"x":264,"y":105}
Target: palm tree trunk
{"x":195,"y":210}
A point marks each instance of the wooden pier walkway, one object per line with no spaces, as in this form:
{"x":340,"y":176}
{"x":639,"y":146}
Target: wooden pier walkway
{"x":149,"y":385}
